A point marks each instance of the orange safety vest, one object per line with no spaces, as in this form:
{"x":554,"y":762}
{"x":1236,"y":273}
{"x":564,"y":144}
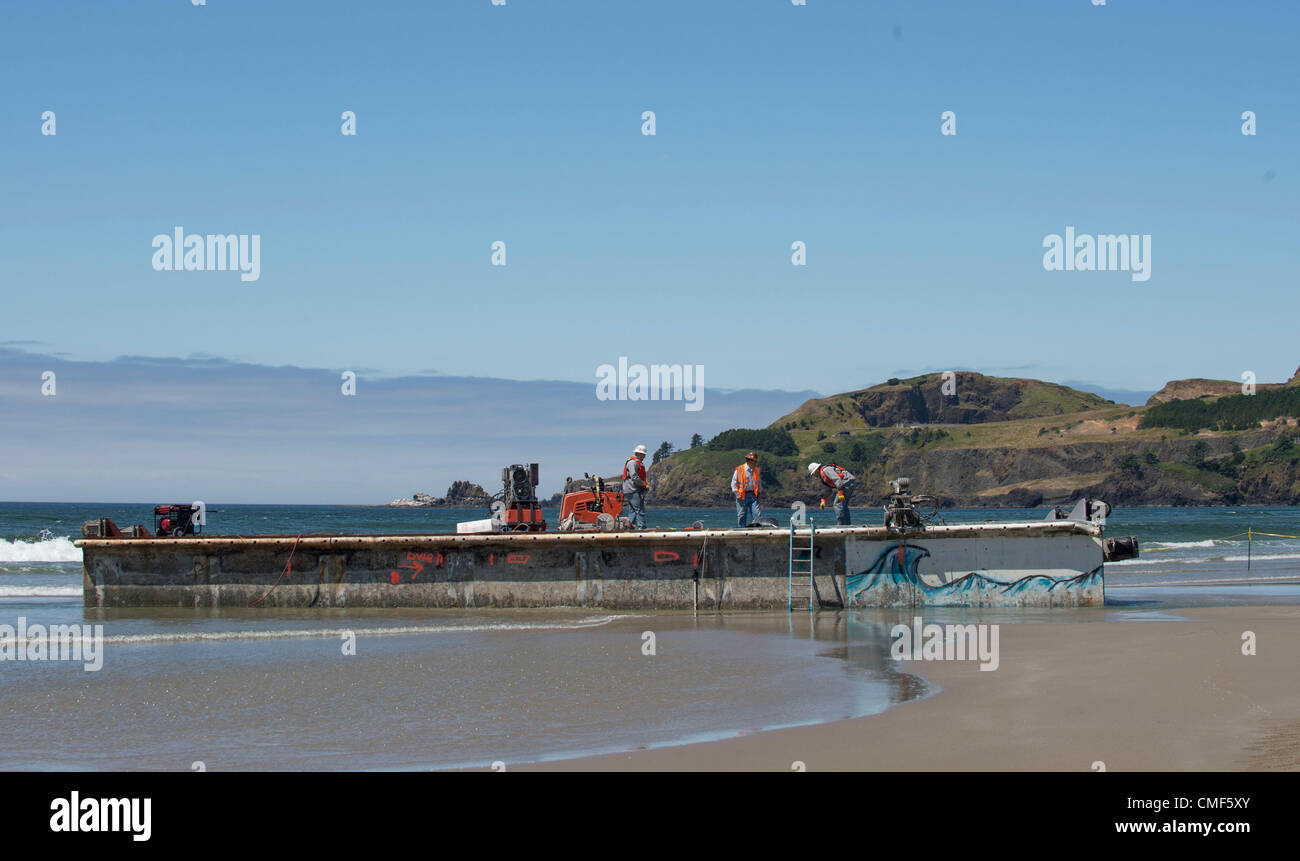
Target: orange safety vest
{"x":821,"y":472}
{"x":639,"y":471}
{"x":741,"y":486}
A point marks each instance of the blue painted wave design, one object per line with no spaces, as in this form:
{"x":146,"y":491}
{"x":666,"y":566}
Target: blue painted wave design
{"x":892,"y":581}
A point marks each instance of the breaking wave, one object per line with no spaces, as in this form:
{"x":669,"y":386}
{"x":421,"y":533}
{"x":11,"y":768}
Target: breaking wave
{"x":893,"y":581}
{"x":49,"y":549}
{"x":40,"y":591}
{"x":1257,"y":556}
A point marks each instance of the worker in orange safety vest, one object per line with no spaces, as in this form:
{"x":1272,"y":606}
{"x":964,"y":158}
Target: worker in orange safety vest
{"x":746,"y":486}
{"x":634,"y":487}
{"x":838,"y":480}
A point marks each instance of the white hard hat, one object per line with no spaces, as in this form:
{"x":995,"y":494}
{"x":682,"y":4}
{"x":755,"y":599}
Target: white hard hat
{"x":812,"y":468}
{"x":639,"y":450}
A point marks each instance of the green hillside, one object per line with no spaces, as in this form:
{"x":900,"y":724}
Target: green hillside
{"x":993,"y":441}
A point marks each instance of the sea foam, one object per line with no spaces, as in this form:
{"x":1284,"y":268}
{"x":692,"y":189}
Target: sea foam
{"x":8,"y":591}
{"x":49,"y":550}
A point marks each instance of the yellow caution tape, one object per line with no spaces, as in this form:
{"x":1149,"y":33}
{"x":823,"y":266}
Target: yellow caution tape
{"x":1153,"y":548}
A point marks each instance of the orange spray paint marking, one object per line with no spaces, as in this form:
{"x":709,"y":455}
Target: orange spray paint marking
{"x":491,"y":559}
{"x":419,"y":559}
{"x":666,"y":556}
{"x":518,"y":558}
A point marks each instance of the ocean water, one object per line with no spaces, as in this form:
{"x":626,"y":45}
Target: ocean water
{"x":264,"y":688}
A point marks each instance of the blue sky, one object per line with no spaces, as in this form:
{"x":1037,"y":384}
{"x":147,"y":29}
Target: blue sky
{"x":775,"y":123}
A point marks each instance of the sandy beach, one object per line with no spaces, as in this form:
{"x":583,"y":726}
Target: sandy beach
{"x":1174,"y":695}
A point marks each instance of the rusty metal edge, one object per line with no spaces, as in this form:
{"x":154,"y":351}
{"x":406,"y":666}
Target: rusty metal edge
{"x":870,"y":533}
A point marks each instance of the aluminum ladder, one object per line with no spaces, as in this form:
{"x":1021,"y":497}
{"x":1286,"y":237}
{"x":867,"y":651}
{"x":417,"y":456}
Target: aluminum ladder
{"x":800,"y":583}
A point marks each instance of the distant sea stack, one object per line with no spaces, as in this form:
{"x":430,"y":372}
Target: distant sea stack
{"x":461,"y":494}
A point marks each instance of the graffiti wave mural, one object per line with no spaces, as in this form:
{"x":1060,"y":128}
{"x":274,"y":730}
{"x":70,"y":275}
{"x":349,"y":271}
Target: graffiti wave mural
{"x":894,"y":581}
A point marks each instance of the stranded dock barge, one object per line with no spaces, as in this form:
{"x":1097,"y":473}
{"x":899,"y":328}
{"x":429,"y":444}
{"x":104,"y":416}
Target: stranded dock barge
{"x":1056,"y":562}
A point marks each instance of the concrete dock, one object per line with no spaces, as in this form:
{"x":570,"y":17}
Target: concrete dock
{"x":1047,"y":563}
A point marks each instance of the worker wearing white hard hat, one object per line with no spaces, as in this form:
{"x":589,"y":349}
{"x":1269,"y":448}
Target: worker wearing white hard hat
{"x":838,"y":479}
{"x":635,"y":486}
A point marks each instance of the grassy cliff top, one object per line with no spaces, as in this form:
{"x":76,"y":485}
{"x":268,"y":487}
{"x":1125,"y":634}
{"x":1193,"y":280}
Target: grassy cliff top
{"x":1001,"y":441}
{"x":970,"y":398}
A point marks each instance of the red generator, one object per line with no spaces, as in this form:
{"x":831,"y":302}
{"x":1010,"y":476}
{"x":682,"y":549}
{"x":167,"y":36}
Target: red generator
{"x":174,"y":520}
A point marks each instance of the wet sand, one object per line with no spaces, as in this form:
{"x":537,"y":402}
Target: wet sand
{"x":1135,"y":695}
